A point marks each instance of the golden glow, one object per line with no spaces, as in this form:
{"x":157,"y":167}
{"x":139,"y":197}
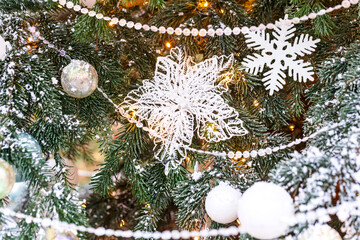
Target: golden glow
{"x":243,"y":160}
{"x":168,"y":44}
{"x":146,"y":2}
{"x":122,"y":223}
{"x":256,"y":103}
{"x":59,"y":6}
{"x":203,"y":4}
{"x":30,"y":39}
{"x":227,"y":77}
{"x":222,"y":10}
{"x":111,"y":24}
{"x":147,"y":205}
{"x":238,"y":222}
{"x":213,"y":126}
{"x":83,"y":205}
{"x":292,"y":127}
{"x":28,"y":47}
{"x":132,"y":114}
{"x":196,"y":238}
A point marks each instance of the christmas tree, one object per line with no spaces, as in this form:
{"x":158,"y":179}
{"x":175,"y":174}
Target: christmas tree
{"x":216,"y":119}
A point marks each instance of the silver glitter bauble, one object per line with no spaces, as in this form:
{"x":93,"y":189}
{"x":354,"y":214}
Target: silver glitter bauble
{"x":79,"y":79}
{"x":29,"y":143}
{"x":7,"y":178}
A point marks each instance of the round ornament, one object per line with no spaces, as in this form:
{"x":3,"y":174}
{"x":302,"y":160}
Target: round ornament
{"x":265,"y":210}
{"x":7,"y":178}
{"x":88,"y":3}
{"x":53,"y":234}
{"x":320,"y":232}
{"x":29,"y":143}
{"x":18,"y":196}
{"x":79,"y":79}
{"x":221,"y":203}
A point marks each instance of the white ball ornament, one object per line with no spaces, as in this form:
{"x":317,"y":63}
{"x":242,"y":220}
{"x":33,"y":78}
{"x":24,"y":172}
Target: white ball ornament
{"x":79,"y":79}
{"x":320,"y":232}
{"x":221,"y":203}
{"x":3,"y":48}
{"x":7,"y":178}
{"x":265,"y":210}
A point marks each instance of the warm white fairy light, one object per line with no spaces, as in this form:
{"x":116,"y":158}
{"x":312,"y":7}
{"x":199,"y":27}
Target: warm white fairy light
{"x":203,"y":32}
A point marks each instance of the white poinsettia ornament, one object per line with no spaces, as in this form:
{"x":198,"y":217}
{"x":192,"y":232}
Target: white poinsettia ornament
{"x":181,"y":99}
{"x":279,"y":55}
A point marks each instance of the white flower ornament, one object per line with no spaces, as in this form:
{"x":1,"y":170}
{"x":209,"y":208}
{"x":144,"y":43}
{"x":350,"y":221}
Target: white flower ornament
{"x":181,"y":99}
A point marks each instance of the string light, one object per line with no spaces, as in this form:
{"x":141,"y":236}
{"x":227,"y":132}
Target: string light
{"x":122,"y":223}
{"x":30,"y":39}
{"x":213,"y":126}
{"x":59,"y":6}
{"x":168,"y":44}
{"x":222,"y":10}
{"x":111,"y":24}
{"x":238,"y":222}
{"x":292,"y":127}
{"x":256,"y":103}
{"x":196,"y":238}
{"x":84,"y":204}
{"x":226,"y":80}
{"x":203,"y":4}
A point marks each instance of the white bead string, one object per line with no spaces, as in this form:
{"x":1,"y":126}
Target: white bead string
{"x":202,"y":32}
{"x":299,"y":218}
{"x":100,"y":231}
{"x":238,"y":154}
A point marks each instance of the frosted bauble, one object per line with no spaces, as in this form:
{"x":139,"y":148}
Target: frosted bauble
{"x":221,"y":203}
{"x":88,"y":3}
{"x":79,"y":79}
{"x":320,"y":232}
{"x":265,"y":210}
{"x":3,"y":48}
{"x":18,"y":196}
{"x":7,"y":178}
{"x":29,"y":143}
{"x":53,"y":234}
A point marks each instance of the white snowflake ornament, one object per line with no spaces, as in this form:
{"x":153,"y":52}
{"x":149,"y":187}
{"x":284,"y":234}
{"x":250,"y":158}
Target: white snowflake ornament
{"x":181,"y":99}
{"x":280,"y":55}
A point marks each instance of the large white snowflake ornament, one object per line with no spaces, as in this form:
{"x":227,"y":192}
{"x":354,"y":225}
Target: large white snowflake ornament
{"x":280,"y":55}
{"x":181,"y":99}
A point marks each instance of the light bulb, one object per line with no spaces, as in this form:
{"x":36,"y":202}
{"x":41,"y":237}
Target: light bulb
{"x":122,"y":223}
{"x":168,"y":44}
{"x":256,"y":103}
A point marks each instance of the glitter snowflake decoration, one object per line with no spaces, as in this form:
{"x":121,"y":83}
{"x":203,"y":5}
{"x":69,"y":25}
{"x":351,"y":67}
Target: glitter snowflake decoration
{"x":184,"y":98}
{"x":280,"y":55}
